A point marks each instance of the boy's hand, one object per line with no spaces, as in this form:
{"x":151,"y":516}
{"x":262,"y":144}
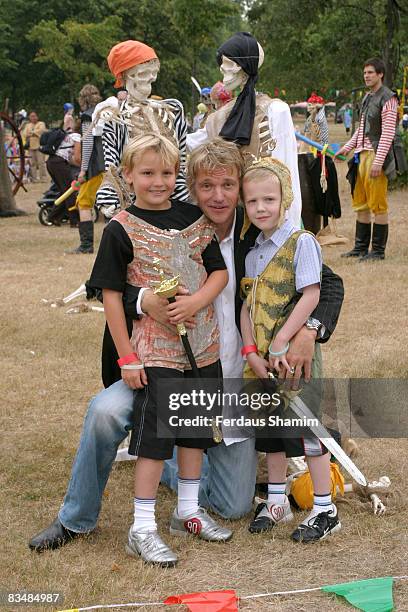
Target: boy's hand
{"x":135,"y":379}
{"x":184,"y":308}
{"x":278,"y":363}
{"x":258,"y":365}
{"x":156,"y":307}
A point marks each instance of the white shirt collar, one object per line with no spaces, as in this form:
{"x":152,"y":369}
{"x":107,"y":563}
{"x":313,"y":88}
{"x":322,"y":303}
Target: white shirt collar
{"x":231,"y":234}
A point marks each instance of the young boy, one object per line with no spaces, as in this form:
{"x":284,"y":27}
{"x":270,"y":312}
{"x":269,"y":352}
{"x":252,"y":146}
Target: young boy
{"x":283,"y":264}
{"x":177,"y":235}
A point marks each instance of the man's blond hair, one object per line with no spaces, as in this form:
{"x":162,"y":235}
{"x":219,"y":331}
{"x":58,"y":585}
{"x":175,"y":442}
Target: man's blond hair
{"x":217,"y":153}
{"x":133,"y":151}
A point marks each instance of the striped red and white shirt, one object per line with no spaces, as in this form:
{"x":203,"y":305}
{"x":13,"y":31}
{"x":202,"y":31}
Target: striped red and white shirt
{"x":361,"y":142}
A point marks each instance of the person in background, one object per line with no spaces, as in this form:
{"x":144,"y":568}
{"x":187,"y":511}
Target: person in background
{"x":31,"y":135}
{"x":69,"y":120}
{"x":348,"y":115}
{"x":62,"y":167}
{"x":92,"y":167}
{"x":200,"y":116}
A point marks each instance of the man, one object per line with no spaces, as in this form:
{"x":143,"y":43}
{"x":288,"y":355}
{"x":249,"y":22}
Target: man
{"x":31,"y":135}
{"x":214,"y":180}
{"x":372,"y":144}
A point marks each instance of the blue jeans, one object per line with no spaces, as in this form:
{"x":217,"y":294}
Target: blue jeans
{"x":228,"y":479}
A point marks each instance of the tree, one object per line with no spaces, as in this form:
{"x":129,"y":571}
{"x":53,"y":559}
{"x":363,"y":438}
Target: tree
{"x":8,"y":206}
{"x":78,"y":50}
{"x":322,"y":45}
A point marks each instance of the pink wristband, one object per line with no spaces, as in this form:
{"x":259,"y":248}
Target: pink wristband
{"x":249,"y":348}
{"x":127,"y":359}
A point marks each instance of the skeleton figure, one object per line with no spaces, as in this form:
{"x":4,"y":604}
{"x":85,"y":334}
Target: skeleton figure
{"x":316,"y":127}
{"x":136,"y":65}
{"x":260,"y":125}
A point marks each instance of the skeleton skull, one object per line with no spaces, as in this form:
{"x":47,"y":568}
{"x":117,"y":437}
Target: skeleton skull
{"x":138,"y":79}
{"x":233,"y":75}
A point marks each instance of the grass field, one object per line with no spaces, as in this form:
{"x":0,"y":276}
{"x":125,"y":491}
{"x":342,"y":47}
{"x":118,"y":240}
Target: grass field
{"x":50,"y":365}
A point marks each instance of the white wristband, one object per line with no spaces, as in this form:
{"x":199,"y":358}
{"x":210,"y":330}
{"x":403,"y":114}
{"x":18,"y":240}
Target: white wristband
{"x":132,"y":366}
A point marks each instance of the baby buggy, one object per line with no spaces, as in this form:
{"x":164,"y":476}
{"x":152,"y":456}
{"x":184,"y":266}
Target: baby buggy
{"x":46,"y":203}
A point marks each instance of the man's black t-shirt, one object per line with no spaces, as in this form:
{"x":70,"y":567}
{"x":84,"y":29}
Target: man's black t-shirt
{"x":116,"y":250}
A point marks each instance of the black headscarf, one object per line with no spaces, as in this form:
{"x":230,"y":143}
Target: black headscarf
{"x":242,"y":48}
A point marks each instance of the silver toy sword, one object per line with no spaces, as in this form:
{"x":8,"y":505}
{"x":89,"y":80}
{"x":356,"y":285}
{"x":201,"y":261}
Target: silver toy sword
{"x":302,"y":411}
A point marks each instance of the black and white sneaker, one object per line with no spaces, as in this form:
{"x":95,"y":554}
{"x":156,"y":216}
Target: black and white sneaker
{"x":267,"y":515}
{"x":318,"y":527}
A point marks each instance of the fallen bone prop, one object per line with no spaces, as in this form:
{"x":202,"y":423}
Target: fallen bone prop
{"x":83,"y":307}
{"x":300,"y":489}
{"x":82,"y":291}
{"x":370,"y":492}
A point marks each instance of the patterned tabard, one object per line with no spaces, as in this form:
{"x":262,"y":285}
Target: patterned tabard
{"x":179,"y":253}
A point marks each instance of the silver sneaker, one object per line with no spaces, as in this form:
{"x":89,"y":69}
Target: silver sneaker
{"x":199,"y":524}
{"x":151,"y":548}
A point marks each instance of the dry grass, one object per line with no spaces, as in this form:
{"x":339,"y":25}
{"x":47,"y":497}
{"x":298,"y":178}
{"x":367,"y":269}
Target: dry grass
{"x":50,"y":368}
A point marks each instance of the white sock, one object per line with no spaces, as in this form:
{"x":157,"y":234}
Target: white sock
{"x":321,"y":503}
{"x":144,"y":515}
{"x":187,"y":502}
{"x":277,"y":493}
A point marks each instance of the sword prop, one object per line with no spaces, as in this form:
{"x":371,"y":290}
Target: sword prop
{"x":167,"y":288}
{"x":317,"y":145}
{"x":196,"y":84}
{"x":75,"y":186}
{"x":302,"y":411}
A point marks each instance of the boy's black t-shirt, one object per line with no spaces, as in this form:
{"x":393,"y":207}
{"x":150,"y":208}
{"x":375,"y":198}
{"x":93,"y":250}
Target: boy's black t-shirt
{"x":116,"y":250}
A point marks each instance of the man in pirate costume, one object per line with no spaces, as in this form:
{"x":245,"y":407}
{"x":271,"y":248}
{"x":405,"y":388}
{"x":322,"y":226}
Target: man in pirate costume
{"x":259,"y":125}
{"x":136,"y":65}
{"x":378,"y":155}
{"x":282,"y":288}
{"x":214,"y":174}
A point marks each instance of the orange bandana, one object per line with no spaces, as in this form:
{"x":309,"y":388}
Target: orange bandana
{"x":126,"y":54}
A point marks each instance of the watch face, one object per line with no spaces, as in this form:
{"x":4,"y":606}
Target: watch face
{"x":313,"y":324}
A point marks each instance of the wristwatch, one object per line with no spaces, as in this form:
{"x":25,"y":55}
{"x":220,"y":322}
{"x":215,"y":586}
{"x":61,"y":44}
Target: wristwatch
{"x":315,"y":324}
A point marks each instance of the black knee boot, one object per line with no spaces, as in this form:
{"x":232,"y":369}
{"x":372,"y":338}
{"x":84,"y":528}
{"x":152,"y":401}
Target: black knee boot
{"x":379,"y":241}
{"x":86,"y":236}
{"x":362,"y":240}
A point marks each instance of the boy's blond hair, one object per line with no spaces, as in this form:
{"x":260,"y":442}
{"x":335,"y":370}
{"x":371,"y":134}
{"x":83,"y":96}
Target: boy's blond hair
{"x":217,"y":153}
{"x":133,"y":151}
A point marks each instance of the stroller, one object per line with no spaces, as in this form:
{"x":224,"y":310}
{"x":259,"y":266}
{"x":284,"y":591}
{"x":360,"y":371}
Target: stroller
{"x":46,"y":203}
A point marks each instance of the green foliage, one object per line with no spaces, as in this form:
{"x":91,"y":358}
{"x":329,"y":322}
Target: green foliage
{"x":77,"y":49}
{"x":313,"y":45}
{"x":50,"y":51}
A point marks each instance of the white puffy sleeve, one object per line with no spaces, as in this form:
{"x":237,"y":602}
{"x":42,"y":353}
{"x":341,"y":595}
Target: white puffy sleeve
{"x":196,"y":139}
{"x":281,"y":127}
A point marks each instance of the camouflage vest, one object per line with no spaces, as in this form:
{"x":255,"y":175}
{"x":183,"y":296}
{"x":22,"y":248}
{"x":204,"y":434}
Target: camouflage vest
{"x":270,"y":296}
